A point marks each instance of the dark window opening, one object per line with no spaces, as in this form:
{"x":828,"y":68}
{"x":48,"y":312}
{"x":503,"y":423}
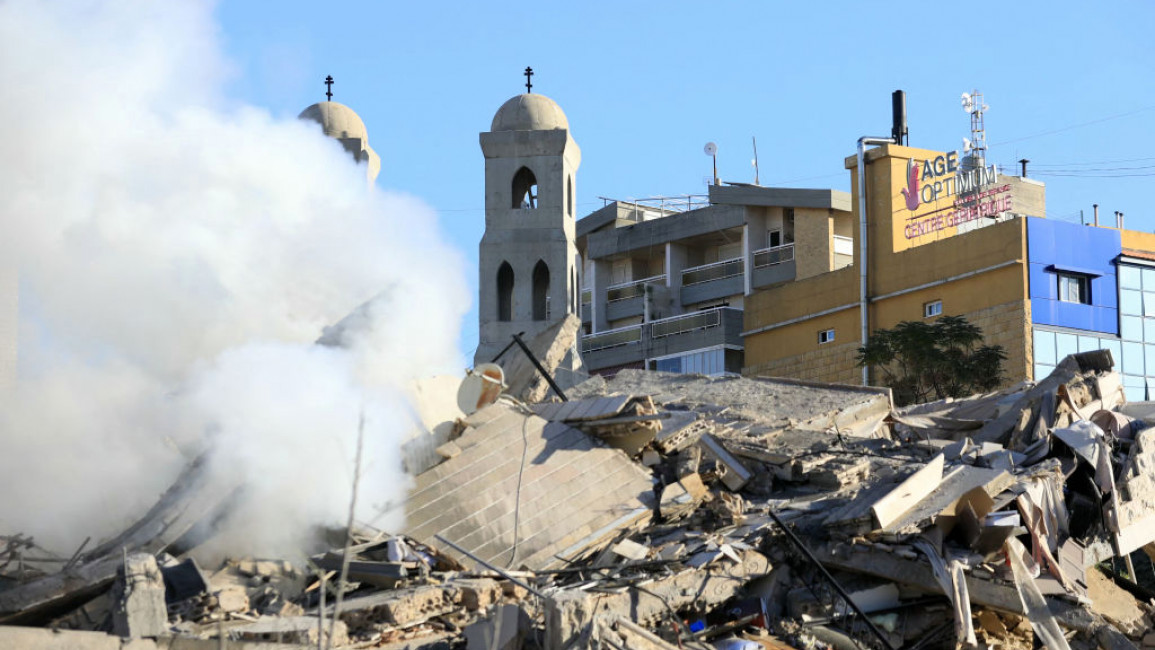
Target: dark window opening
{"x":1074,"y":288}
{"x":524,"y":190}
{"x":505,"y":292}
{"x":569,"y":195}
{"x":541,"y":291}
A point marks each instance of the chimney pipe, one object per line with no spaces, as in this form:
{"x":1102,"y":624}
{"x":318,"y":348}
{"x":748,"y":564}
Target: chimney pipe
{"x":1096,"y":206}
{"x":898,"y":131}
{"x":1024,"y":162}
{"x":1120,"y":220}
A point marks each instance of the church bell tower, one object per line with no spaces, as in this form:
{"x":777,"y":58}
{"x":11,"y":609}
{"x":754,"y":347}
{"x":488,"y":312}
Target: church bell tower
{"x":529,"y":261}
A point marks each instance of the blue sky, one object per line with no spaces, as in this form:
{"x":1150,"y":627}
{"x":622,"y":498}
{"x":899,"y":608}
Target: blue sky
{"x":646,"y":85}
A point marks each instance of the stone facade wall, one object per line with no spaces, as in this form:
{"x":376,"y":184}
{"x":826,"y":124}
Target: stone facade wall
{"x":1007,"y":325}
{"x":813,"y":232}
{"x":834,"y":364}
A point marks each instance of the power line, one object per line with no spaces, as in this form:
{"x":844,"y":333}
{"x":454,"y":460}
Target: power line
{"x":1075,"y":126}
{"x":1074,"y":175}
{"x":1091,"y":162}
{"x":1076,"y":170}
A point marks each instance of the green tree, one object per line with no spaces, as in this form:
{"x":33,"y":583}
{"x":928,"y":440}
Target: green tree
{"x":922,"y":362}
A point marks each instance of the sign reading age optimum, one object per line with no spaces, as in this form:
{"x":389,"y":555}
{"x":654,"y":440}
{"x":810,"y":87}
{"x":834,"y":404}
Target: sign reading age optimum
{"x":940,"y":179}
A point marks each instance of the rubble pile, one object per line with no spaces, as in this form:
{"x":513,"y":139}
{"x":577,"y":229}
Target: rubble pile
{"x":666,"y":511}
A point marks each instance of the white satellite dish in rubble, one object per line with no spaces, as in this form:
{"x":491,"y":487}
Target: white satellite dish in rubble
{"x":710,"y":149}
{"x":480,"y":387}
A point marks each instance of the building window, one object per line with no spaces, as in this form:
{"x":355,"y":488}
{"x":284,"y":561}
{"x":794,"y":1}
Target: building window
{"x":932,"y":309}
{"x":1074,"y":288}
{"x":541,"y":291}
{"x":505,"y":292}
{"x":826,"y":336}
{"x":524,"y":190}
{"x":569,"y":195}
{"x":774,"y":238}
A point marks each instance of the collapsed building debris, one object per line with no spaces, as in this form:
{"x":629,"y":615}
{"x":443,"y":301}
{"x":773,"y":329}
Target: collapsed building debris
{"x":654,"y":510}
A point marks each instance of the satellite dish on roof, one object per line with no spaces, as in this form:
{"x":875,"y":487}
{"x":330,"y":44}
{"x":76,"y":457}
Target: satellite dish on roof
{"x":967,"y":102}
{"x":967,"y":146}
{"x":710,"y":148}
{"x":480,"y":388}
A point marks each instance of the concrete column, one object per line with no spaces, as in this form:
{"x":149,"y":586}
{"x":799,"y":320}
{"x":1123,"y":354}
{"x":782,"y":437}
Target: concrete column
{"x":140,"y":609}
{"x":601,"y":281}
{"x":747,"y":262}
{"x":676,"y":260}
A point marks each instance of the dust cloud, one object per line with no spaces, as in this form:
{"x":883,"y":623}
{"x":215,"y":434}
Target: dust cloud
{"x":177,"y":255}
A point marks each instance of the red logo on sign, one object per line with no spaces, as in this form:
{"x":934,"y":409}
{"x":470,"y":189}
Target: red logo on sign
{"x":911,"y":189}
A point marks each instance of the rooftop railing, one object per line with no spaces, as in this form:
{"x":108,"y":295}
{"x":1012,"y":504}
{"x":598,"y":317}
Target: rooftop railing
{"x":656,"y":207}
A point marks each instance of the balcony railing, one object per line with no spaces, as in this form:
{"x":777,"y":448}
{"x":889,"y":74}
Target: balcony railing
{"x":714,"y":271}
{"x":632,"y":289}
{"x":843,"y":245}
{"x":773,"y":255}
{"x":686,"y":323}
{"x":656,"y":207}
{"x":612,"y":338}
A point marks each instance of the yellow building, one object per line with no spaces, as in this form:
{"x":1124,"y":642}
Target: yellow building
{"x":942,"y":237}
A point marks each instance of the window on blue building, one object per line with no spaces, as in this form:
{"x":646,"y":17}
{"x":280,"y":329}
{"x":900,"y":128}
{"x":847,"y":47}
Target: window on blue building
{"x":1074,"y":288}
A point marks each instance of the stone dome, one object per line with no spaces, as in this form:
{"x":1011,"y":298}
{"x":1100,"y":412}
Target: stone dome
{"x":529,"y":112}
{"x":338,"y":120}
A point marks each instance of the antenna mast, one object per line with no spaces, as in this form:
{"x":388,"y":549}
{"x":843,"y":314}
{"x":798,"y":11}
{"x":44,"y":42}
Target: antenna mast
{"x":972,"y":103}
{"x":755,"y":140}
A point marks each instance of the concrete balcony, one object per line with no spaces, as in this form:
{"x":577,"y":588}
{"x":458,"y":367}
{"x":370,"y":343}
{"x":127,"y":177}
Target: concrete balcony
{"x":675,"y":335}
{"x":613,"y":347}
{"x":773,"y":265}
{"x":625,"y":300}
{"x":712,"y":281}
{"x":688,"y":332}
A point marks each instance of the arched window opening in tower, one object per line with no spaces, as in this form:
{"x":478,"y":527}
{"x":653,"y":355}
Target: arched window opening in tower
{"x":541,"y":291}
{"x":524,"y":190}
{"x":505,"y":292}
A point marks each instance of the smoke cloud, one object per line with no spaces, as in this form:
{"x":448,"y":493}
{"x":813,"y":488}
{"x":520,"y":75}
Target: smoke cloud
{"x":177,"y":256}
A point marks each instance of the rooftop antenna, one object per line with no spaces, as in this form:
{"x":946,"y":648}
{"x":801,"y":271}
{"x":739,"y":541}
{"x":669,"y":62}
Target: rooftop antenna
{"x":528,"y":79}
{"x":329,"y":88}
{"x":711,"y":150}
{"x":972,"y":103}
{"x":755,"y":161}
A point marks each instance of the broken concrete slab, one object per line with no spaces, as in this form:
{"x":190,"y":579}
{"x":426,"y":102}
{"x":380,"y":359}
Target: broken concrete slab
{"x":908,"y":493}
{"x":953,"y":487}
{"x":302,"y":630}
{"x":524,"y":490}
{"x":735,"y":474}
{"x":400,"y":607}
{"x":568,"y":612}
{"x":503,"y":630}
{"x":139,"y":609}
{"x":556,"y":350}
